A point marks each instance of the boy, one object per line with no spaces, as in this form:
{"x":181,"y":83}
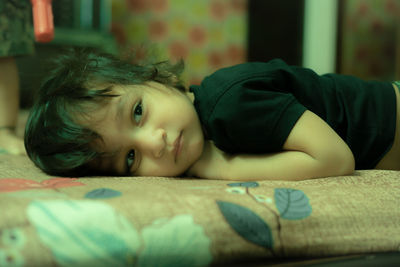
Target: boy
{"x":100,"y":115}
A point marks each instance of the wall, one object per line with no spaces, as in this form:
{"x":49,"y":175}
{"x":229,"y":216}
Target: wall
{"x":369,"y":29}
{"x":276,"y":30}
{"x":320,"y":32}
{"x":354,"y":37}
{"x":207,"y":34}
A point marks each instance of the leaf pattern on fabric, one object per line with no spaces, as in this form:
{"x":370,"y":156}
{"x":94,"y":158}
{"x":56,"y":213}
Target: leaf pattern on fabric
{"x":175,"y":242}
{"x":292,"y":204}
{"x":92,"y":233}
{"x":18,"y":184}
{"x":84,"y":232}
{"x":247,"y":224}
{"x":101,"y":193}
{"x":263,"y":199}
{"x":245,"y":184}
{"x":236,"y":190}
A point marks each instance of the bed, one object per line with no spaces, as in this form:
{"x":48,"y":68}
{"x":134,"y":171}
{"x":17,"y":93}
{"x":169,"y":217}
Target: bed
{"x":159,"y":221}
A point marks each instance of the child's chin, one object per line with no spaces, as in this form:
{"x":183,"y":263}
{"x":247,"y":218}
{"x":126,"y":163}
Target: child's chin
{"x":197,"y":151}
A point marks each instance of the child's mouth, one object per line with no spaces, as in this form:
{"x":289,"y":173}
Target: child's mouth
{"x":178,"y":146}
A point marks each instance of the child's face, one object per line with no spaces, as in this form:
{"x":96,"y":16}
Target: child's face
{"x":149,"y":130}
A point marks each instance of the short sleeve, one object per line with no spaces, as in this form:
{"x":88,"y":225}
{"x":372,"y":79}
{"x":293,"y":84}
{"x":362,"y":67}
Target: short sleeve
{"x":250,"y":107}
{"x":249,"y":118}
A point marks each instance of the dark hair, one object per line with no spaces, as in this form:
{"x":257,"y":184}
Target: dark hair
{"x":53,"y":140}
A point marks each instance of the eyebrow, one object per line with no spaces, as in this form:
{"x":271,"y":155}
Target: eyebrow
{"x":120,"y":110}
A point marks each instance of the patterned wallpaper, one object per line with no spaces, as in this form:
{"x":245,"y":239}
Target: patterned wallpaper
{"x":207,"y":34}
{"x":369,"y":32}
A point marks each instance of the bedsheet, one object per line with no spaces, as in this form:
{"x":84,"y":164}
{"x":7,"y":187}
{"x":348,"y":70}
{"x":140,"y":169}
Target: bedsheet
{"x":160,"y":221}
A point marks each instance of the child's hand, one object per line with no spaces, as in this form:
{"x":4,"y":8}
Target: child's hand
{"x":212,"y":164}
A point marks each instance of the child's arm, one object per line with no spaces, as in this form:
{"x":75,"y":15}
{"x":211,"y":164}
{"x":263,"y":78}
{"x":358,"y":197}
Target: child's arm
{"x":311,"y":150}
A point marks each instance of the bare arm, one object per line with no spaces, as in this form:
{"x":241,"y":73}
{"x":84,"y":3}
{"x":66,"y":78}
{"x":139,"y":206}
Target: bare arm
{"x":311,"y":150}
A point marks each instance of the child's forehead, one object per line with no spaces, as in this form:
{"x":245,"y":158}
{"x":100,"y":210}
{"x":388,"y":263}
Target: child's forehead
{"x":140,"y":89}
{"x":137,"y":89}
{"x":123,"y":89}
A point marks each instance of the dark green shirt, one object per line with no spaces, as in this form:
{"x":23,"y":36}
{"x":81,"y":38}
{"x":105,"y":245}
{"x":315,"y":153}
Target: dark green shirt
{"x":252,"y":107}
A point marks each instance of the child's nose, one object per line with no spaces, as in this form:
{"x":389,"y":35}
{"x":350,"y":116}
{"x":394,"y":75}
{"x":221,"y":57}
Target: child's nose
{"x":155,"y":142}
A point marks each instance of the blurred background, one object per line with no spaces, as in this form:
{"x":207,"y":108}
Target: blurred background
{"x":356,"y":37}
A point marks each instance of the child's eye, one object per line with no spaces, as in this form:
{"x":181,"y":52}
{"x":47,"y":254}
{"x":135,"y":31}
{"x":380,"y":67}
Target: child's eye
{"x":137,"y":112}
{"x":130,"y":159}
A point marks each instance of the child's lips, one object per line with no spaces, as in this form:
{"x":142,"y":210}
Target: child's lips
{"x":177,"y":146}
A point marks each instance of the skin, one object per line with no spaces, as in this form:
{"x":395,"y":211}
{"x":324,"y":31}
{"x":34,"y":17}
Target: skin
{"x":312,"y":149}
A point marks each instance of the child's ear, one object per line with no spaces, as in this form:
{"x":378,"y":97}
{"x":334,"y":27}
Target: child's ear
{"x":174,"y":78}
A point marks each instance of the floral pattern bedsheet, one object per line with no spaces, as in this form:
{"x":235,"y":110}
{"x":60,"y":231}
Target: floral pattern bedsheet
{"x":158,"y":221}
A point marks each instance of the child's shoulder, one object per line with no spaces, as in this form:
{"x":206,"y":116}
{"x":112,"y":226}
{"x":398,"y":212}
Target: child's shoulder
{"x":250,"y":68}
